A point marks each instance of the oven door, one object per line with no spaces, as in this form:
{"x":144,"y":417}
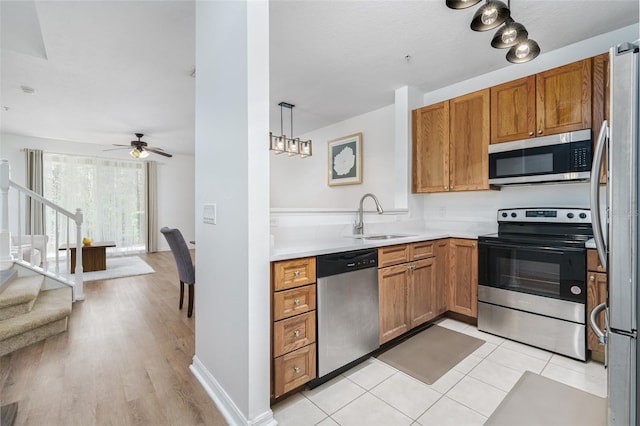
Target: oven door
{"x":548,"y":271}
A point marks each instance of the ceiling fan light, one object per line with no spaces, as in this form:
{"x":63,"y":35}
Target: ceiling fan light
{"x":511,"y":34}
{"x":461,"y":4}
{"x":134,"y":153}
{"x":491,"y":15}
{"x":143,"y":154}
{"x":523,"y":52}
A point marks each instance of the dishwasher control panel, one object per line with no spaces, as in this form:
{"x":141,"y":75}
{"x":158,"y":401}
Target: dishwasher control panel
{"x":339,"y":263}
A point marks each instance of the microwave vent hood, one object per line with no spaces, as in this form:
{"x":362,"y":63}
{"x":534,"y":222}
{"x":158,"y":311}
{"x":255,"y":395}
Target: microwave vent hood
{"x":563,"y":157}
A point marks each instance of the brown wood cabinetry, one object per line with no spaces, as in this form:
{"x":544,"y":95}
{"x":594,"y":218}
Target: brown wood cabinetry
{"x":441,"y":252}
{"x":596,"y":294}
{"x":406,"y":289}
{"x":293,"y":323}
{"x":554,"y":101}
{"x":450,"y":145}
{"x":463,"y":277}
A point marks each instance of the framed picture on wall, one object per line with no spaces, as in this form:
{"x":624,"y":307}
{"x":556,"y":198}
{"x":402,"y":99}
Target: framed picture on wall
{"x":345,"y":160}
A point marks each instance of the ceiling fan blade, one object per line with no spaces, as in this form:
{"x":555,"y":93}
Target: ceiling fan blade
{"x":158,"y":151}
{"x":118,"y":144}
{"x":116,"y":149}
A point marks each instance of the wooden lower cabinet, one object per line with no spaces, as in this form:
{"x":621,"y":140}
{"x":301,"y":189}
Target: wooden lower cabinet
{"x":596,"y":294}
{"x":406,"y":293}
{"x":294,"y":369}
{"x":463,"y":277}
{"x":441,"y":252}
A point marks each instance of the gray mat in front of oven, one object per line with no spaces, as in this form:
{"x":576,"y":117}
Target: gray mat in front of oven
{"x":431,"y":353}
{"x":538,"y":400}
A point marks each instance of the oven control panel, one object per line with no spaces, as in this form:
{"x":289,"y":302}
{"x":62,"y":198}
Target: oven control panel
{"x":546,"y":215}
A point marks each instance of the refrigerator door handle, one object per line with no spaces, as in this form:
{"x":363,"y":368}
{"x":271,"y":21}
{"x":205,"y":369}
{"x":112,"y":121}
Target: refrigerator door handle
{"x":595,"y":194}
{"x":602,"y":338}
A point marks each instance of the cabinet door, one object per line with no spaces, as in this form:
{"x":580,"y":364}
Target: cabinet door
{"x":600,"y":102}
{"x":430,"y":148}
{"x":421,"y":292}
{"x":469,"y":142}
{"x":563,"y":98}
{"x":392,"y":296}
{"x":596,"y":294}
{"x":441,"y":251}
{"x":464,"y":277}
{"x":513,"y":110}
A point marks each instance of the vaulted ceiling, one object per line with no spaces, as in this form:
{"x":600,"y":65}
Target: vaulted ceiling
{"x":102,"y":70}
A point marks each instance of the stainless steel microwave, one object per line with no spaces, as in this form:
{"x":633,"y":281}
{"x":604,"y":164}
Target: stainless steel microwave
{"x":554,"y":158}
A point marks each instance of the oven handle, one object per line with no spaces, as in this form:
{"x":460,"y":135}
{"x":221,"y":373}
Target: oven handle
{"x":602,"y":338}
{"x":595,"y":194}
{"x":554,"y":250}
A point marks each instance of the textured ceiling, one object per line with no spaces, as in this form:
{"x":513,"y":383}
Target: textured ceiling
{"x":106,"y":69}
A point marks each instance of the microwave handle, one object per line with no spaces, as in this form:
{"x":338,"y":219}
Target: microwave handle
{"x":595,"y":194}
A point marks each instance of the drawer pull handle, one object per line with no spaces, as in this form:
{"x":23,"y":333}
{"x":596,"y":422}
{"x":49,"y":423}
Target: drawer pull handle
{"x":296,"y":333}
{"x":592,"y":278}
{"x":296,"y":273}
{"x":530,"y":133}
{"x":296,"y":302}
{"x":296,"y":369}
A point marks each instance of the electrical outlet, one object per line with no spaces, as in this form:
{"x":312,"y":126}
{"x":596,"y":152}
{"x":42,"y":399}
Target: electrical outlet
{"x":209,"y":214}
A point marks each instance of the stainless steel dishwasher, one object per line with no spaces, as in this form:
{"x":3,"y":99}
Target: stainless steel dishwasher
{"x":347,"y":308}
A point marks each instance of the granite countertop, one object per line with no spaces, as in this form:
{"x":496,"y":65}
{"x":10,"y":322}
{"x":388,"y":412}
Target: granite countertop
{"x":314,"y":247}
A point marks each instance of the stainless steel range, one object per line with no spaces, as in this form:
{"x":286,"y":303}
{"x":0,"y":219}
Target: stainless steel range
{"x":532,"y":278}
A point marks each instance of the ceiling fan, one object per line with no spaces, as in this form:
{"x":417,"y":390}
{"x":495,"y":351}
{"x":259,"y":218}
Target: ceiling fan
{"x":140,"y":148}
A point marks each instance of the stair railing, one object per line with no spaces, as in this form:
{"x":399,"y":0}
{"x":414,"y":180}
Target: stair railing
{"x":63,"y":218}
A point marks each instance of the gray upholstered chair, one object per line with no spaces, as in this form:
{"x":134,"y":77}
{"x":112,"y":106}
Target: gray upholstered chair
{"x":186,"y":270}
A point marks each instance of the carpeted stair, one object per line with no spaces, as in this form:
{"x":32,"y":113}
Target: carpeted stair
{"x":28,"y":314}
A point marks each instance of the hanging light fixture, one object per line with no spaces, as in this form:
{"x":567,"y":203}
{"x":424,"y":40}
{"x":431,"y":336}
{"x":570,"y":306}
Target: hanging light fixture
{"x":138,"y":152}
{"x":523,"y":52}
{"x":491,"y":15}
{"x":292,"y":146}
{"x":509,"y":35}
{"x":461,"y":4}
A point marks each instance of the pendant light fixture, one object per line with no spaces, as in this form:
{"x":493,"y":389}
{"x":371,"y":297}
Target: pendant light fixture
{"x":292,"y":146}
{"x":512,"y":35}
{"x":523,"y":52}
{"x":491,"y":15}
{"x":461,"y":4}
{"x":509,"y":35}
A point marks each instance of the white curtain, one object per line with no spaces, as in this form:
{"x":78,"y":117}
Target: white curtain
{"x":152,"y":206}
{"x":111,"y":194}
{"x":34,"y":210}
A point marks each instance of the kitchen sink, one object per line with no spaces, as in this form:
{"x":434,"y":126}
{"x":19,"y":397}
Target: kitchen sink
{"x":381,"y":236}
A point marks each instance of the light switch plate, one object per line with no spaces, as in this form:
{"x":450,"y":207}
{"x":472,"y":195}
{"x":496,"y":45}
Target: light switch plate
{"x":209,"y":214}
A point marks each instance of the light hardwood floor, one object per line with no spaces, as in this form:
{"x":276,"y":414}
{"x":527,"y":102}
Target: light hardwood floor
{"x":123,"y":361}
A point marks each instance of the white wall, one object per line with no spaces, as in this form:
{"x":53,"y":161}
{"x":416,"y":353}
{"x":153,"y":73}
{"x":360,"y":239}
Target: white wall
{"x":302,"y":183}
{"x":176,"y":199}
{"x":482,"y":205}
{"x":232,"y":171}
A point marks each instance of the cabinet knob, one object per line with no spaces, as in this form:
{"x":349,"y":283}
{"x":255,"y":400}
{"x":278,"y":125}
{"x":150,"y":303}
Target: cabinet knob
{"x":296,"y":302}
{"x":592,"y":278}
{"x":296,"y":333}
{"x":530,"y":133}
{"x":296,"y":369}
{"x":473,"y":245}
{"x":296,"y":273}
{"x":540,"y":131}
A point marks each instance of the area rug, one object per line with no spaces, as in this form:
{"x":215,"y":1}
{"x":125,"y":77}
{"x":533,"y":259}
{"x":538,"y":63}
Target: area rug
{"x":117,"y":267}
{"x":538,"y":400}
{"x":431,"y":353}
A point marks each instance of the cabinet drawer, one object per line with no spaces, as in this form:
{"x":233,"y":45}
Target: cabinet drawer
{"x":393,"y":255}
{"x":293,"y":302}
{"x":593,"y":261}
{"x":294,"y":273}
{"x":422,"y":250}
{"x":294,"y":369}
{"x":293,"y":333}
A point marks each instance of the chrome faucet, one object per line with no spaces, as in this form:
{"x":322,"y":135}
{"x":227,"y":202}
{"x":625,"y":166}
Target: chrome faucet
{"x":358,"y":227}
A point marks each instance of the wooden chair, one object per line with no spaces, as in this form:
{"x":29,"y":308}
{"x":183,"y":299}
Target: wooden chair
{"x":186,"y":270}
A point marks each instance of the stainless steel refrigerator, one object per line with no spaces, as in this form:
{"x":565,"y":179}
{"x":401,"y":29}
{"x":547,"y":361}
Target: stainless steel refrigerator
{"x":616,"y":227}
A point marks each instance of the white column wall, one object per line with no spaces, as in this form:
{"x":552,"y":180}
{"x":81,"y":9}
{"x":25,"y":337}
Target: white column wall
{"x":232,"y":171}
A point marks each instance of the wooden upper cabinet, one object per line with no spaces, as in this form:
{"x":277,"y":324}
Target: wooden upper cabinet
{"x":513,"y":110}
{"x":563,"y":98}
{"x":469,"y":142}
{"x":430,"y":148}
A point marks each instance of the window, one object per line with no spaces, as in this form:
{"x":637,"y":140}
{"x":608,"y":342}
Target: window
{"x":111,"y":194}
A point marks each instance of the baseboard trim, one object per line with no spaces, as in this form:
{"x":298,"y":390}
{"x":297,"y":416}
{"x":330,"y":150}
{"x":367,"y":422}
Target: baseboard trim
{"x":224,"y":403}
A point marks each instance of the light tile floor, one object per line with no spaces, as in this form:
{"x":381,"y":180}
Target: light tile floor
{"x":374,"y":393}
